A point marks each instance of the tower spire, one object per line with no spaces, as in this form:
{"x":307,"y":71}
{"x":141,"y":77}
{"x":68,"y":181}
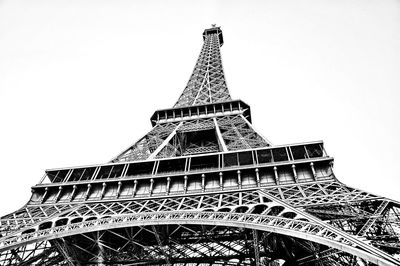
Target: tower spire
{"x":207,"y":83}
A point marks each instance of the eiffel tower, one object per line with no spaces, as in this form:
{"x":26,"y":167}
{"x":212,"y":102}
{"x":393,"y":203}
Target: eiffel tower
{"x":203,"y":187}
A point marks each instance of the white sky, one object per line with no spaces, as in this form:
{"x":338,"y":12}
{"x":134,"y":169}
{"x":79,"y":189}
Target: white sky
{"x":79,"y":80}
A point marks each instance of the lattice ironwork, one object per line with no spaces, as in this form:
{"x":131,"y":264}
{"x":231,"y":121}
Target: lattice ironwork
{"x":207,"y":83}
{"x":238,"y":135}
{"x":144,"y":147}
{"x":203,"y":187}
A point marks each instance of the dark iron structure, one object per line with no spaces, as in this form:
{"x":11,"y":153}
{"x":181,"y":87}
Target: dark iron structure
{"x":203,"y":187}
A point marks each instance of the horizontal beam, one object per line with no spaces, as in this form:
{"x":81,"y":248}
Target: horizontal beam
{"x":201,"y":111}
{"x":295,"y":228}
{"x":267,"y":153}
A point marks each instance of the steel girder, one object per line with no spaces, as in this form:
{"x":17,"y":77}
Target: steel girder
{"x":299,"y":225}
{"x":289,"y":227}
{"x":313,"y":196}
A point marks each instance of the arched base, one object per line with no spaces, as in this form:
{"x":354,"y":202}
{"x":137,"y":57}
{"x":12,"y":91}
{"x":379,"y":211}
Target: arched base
{"x":299,"y":229}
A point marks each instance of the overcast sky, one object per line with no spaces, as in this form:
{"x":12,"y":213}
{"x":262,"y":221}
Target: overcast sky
{"x":79,"y":80}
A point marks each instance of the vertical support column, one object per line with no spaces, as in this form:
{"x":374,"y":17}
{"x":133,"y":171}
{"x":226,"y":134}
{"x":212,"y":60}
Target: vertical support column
{"x":87,"y":191}
{"x":294,"y":173}
{"x":203,"y":182}
{"x":168,"y":185}
{"x":185,"y":181}
{"x":46,"y":190}
{"x":313,"y":171}
{"x":151,"y":186}
{"x":258,"y":177}
{"x":73,"y":193}
{"x":331,"y":168}
{"x":134,"y":188}
{"x":59,"y":193}
{"x":239,"y":176}
{"x":221,"y":181}
{"x":119,"y":189}
{"x":276,"y":175}
{"x":103,"y":190}
{"x":256,"y":248}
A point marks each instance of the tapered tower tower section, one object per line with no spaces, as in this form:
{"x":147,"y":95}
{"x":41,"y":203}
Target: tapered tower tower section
{"x":203,"y":187}
{"x":207,"y":83}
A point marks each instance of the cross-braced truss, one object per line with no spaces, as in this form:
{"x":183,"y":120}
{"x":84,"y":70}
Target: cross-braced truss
{"x":238,"y":134}
{"x":207,"y":83}
{"x":235,"y":209}
{"x":203,"y":187}
{"x":195,"y":136}
{"x":148,"y":144}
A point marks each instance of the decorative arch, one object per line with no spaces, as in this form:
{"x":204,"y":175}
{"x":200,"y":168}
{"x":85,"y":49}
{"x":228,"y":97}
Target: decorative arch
{"x":276,"y":224}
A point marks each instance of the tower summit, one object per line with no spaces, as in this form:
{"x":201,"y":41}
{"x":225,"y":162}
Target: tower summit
{"x":203,"y":187}
{"x":214,"y":30}
{"x":207,"y":83}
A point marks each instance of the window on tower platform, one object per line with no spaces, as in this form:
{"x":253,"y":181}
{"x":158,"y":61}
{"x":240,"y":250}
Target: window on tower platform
{"x":264,"y":156}
{"x":139,"y":169}
{"x":299,"y":152}
{"x":203,"y":162}
{"x":168,"y":166}
{"x":280,"y":154}
{"x":314,"y":150}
